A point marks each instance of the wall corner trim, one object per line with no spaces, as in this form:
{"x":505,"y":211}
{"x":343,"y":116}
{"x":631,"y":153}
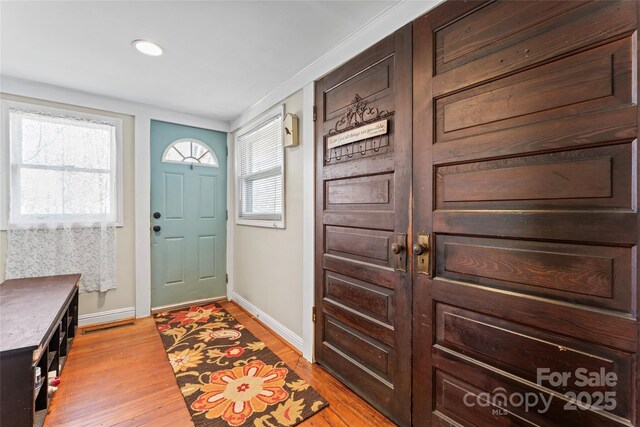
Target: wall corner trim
{"x":277,"y":327}
{"x":380,"y":26}
{"x":106,"y":316}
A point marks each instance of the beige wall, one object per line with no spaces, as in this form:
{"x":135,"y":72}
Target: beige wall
{"x":3,"y":252}
{"x":267,"y":268}
{"x":124,"y":295}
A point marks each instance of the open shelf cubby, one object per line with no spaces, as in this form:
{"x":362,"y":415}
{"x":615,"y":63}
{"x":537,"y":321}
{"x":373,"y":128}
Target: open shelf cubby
{"x":34,"y":344}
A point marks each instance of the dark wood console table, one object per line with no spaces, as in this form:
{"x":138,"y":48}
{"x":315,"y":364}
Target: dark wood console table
{"x":38,"y":321}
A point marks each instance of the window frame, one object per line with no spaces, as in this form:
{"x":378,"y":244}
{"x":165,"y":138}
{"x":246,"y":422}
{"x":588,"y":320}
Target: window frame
{"x":258,"y":221}
{"x":5,"y":165}
{"x":171,"y":146}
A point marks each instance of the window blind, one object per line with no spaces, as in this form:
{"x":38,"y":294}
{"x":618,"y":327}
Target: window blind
{"x":261,"y":172}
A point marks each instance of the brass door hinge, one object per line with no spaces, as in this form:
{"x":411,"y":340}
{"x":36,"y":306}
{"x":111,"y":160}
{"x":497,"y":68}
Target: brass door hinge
{"x":313,"y":314}
{"x":315,"y":113}
{"x":226,"y":276}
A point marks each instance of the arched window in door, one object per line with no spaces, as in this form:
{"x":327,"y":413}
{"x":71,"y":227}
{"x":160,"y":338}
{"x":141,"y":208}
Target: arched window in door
{"x":190,"y":151}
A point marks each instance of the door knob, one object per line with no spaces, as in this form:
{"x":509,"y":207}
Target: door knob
{"x":399,"y":249}
{"x":156,"y":215}
{"x":422,"y":251}
{"x":418,"y":249}
{"x":396,"y":248}
{"x":157,"y":228}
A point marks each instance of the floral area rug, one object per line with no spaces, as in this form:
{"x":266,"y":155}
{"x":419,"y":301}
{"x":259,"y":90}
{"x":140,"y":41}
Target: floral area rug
{"x":227,"y":376}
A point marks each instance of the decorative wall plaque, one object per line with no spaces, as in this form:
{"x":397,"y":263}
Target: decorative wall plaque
{"x":358,"y":134}
{"x":362,"y":129}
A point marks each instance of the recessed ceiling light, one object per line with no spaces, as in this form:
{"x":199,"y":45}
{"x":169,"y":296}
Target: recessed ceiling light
{"x":147,"y":47}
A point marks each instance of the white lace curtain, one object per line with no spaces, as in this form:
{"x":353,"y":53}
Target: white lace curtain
{"x":62,"y":198}
{"x":89,"y":251}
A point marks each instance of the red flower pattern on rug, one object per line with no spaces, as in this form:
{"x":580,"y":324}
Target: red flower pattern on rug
{"x":227,"y":376}
{"x":194,"y":314}
{"x":236,"y":393}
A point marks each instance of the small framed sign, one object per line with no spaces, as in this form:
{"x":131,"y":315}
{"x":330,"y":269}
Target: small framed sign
{"x":358,"y":134}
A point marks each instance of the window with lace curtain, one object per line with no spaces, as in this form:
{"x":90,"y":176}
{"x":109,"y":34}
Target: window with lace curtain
{"x":63,"y":167}
{"x":260,"y":172}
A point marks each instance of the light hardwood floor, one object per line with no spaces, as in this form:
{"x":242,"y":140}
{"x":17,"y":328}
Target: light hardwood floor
{"x":121,"y":377}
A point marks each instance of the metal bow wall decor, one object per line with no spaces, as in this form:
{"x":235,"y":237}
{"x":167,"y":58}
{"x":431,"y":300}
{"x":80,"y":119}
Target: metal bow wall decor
{"x":358,"y":115}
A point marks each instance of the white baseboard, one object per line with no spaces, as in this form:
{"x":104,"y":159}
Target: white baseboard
{"x":187,"y":304}
{"x":285,"y":333}
{"x":106,"y":316}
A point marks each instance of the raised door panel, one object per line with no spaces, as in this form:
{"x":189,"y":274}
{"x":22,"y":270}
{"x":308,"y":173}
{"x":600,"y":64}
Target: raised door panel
{"x":588,"y":98}
{"x":497,"y":39}
{"x":174,"y":261}
{"x":523,"y":351}
{"x":174,"y":196}
{"x":596,"y":275}
{"x":581,"y":179}
{"x":207,"y":187}
{"x":525,"y":126}
{"x":363,"y":325}
{"x":206,"y":257}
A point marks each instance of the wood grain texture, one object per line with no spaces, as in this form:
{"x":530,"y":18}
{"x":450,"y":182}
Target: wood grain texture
{"x":374,"y":82}
{"x":467,"y":38}
{"x":568,"y":319}
{"x":606,"y":227}
{"x":379,"y":331}
{"x":506,"y":39}
{"x":476,"y":378}
{"x":450,"y":391}
{"x":363,"y":327}
{"x":374,"y":300}
{"x":22,"y":326}
{"x":532,"y":182}
{"x":521,"y":350}
{"x":368,"y":191}
{"x":591,"y":80}
{"x":525,"y":135}
{"x":384,"y":277}
{"x":584,"y":179}
{"x":121,"y":377}
{"x":568,"y":272}
{"x":360,"y":347}
{"x":514,"y":109}
{"x":365,"y":245}
{"x":589,"y":274}
{"x":26,"y":306}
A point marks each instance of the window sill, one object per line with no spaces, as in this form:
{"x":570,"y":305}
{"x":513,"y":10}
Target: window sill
{"x":39,"y":226}
{"x":277,"y":225}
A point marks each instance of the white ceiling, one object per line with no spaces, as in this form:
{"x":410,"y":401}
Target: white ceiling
{"x":221,"y":57}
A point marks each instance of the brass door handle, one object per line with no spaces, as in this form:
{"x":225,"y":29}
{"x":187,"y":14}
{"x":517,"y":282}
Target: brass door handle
{"x":418,"y":249}
{"x":398,"y":248}
{"x":422,"y":250}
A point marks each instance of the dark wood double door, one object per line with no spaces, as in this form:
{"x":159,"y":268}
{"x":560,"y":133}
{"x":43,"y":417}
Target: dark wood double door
{"x":511,"y":159}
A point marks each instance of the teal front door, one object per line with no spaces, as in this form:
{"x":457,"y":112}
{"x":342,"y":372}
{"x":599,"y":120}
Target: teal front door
{"x":188,"y":214}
